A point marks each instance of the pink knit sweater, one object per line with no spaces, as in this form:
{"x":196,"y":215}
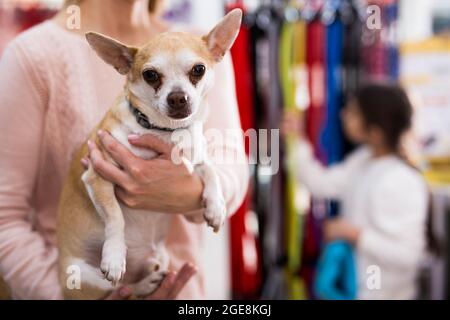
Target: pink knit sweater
{"x":53,"y":91}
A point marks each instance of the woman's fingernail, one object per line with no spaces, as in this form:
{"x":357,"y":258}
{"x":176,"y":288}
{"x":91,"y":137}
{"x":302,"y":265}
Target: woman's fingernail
{"x":100,"y":133}
{"x":133,"y":137}
{"x":124,"y":292}
{"x":89,"y":143}
{"x":84,"y":162}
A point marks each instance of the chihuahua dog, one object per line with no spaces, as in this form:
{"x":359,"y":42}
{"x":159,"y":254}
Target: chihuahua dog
{"x":99,"y":237}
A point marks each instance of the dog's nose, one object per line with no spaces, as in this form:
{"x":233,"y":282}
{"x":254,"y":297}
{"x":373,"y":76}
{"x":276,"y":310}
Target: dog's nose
{"x":179,"y":105}
{"x":177,"y":100}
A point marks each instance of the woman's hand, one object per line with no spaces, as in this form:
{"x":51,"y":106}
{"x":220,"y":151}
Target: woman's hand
{"x":157,"y":185}
{"x":168,"y":290}
{"x":291,"y":124}
{"x":339,"y":229}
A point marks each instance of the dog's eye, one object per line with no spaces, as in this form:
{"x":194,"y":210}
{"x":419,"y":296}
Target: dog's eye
{"x":198,"y":70}
{"x":151,"y":76}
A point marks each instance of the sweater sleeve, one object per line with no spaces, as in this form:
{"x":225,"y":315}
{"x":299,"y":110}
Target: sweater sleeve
{"x":396,"y":234}
{"x":27,"y":262}
{"x":224,"y":136}
{"x":321,"y":181}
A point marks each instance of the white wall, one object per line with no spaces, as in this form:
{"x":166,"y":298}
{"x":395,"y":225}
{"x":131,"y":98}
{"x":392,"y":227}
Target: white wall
{"x":416,"y":18}
{"x":206,"y":12}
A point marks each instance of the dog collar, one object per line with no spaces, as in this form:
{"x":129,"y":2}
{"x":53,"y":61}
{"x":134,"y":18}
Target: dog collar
{"x":142,"y":119}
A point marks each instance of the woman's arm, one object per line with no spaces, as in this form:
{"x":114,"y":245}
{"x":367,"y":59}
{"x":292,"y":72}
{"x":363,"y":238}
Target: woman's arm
{"x":27,"y":262}
{"x":396,"y":234}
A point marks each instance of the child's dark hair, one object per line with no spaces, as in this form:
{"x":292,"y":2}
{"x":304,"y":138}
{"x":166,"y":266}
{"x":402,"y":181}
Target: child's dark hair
{"x":387,"y":107}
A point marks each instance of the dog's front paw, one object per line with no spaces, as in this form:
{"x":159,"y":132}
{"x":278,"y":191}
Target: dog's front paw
{"x":113,"y":263}
{"x":215,"y":213}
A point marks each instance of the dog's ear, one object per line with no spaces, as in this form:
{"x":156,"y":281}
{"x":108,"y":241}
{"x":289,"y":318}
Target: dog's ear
{"x":220,"y":39}
{"x":112,"y":51}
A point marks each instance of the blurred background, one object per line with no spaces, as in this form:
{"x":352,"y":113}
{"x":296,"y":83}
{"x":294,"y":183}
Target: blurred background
{"x":271,"y":245}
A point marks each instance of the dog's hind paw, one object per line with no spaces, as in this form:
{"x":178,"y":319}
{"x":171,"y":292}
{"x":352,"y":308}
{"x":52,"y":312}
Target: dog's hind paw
{"x":149,"y":284}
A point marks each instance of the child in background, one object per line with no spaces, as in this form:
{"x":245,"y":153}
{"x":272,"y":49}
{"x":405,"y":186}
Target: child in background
{"x":383,"y":199}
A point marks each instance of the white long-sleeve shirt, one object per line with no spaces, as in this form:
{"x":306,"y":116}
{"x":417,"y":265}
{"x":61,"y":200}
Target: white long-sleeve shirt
{"x":387,"y":200}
